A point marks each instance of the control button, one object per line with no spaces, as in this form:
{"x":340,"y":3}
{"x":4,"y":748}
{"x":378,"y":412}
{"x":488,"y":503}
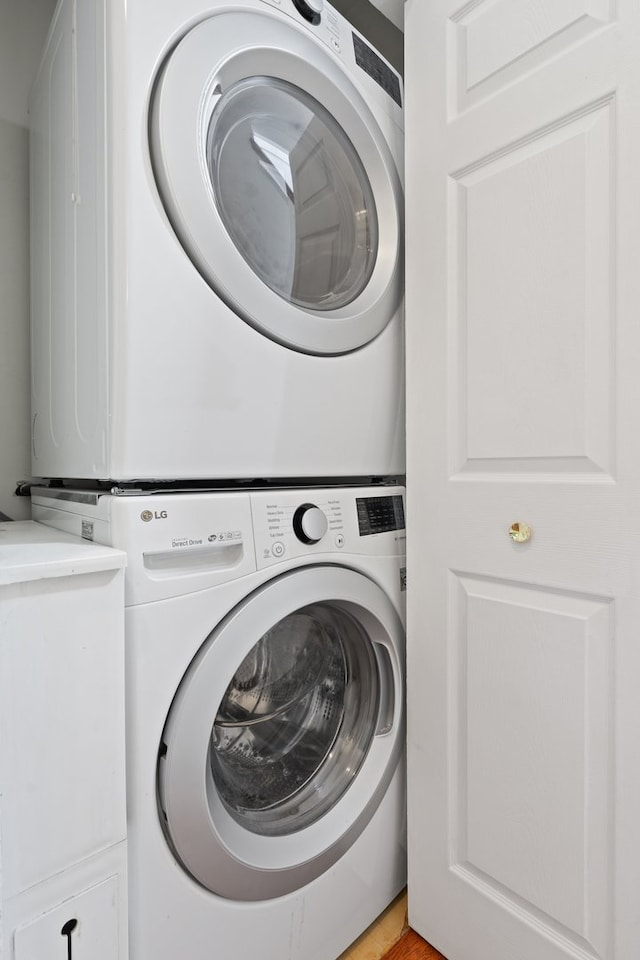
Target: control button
{"x":310,"y":10}
{"x":309,"y":523}
{"x":336,"y":44}
{"x":339,"y":540}
{"x":278,"y":549}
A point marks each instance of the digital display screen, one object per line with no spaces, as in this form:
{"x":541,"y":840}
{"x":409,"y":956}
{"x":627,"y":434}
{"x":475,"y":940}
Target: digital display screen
{"x":379,"y":514}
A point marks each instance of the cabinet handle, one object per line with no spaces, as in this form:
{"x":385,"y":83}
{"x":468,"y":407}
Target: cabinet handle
{"x":66,"y":931}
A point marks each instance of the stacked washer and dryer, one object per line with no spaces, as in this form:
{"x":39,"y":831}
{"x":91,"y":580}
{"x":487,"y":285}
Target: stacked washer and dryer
{"x":217,"y":387}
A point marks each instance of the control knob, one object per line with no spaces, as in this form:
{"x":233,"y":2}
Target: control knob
{"x":310,"y":10}
{"x":309,"y":523}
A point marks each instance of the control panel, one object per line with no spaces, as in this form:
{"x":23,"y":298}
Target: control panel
{"x":179,"y":543}
{"x":297,"y":523}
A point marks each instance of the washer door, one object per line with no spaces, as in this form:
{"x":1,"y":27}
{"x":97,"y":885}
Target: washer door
{"x":279,"y":182}
{"x":284,"y":734}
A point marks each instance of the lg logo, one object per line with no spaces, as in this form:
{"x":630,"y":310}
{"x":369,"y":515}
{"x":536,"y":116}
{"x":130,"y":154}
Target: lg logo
{"x":148,"y":515}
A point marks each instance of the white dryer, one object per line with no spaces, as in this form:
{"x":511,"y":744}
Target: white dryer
{"x":217,"y":244}
{"x":265,"y":651}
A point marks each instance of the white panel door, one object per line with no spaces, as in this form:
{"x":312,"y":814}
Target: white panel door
{"x":523,"y":339}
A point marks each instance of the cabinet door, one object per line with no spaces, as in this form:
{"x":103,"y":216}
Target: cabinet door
{"x":85,"y":927}
{"x":523,"y":339}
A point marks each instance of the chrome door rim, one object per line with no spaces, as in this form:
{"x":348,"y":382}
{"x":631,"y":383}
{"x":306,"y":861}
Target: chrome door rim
{"x":207,"y":62}
{"x":218,"y":852}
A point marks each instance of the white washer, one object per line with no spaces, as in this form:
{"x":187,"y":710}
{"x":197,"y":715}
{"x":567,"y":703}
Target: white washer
{"x":217,"y":244}
{"x":265,"y":650}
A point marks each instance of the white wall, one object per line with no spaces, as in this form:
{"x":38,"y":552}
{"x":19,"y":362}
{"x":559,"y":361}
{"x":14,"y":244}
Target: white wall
{"x":23,"y":27}
{"x":14,"y":316}
{"x":393,"y":9}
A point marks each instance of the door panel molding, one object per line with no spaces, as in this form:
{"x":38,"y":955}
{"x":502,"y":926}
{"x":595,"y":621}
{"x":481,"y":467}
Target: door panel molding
{"x":531,"y":752}
{"x":494,"y":43}
{"x":532,"y":304}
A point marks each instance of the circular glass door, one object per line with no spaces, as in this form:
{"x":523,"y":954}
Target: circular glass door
{"x":279,"y":182}
{"x":284,"y":733}
{"x":296,"y":721}
{"x":292,"y":193}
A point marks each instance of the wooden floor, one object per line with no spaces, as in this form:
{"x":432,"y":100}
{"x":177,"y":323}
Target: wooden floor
{"x":390,"y":938}
{"x":412,"y":947}
{"x":382,"y":935}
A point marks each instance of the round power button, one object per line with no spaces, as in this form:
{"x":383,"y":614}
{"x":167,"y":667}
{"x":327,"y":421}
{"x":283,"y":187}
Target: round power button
{"x":339,"y":540}
{"x":278,"y":549}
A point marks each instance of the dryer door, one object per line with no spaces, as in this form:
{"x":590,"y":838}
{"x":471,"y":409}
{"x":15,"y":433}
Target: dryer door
{"x":278,"y":182}
{"x":284,"y":734}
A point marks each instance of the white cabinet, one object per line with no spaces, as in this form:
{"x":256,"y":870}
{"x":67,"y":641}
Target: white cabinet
{"x":62,"y":764}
